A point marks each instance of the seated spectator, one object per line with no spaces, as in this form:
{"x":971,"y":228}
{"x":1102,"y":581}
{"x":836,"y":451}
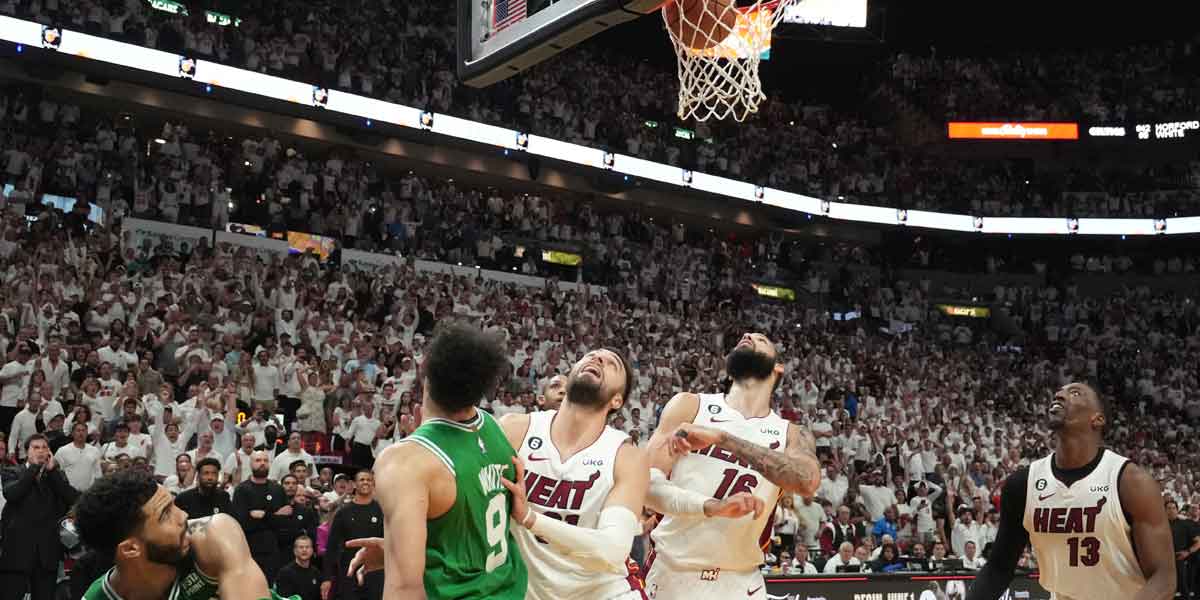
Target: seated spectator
{"x":889,"y":560}
{"x":844,"y":558}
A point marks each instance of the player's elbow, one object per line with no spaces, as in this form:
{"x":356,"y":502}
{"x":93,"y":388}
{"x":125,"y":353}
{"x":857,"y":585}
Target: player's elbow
{"x":808,"y":478}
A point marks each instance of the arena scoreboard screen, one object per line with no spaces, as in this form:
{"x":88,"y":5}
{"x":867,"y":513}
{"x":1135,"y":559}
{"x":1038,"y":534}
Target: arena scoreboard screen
{"x":500,"y":38}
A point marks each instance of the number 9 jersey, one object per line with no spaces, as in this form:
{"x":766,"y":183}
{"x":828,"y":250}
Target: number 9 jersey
{"x":469,"y":551}
{"x":691,"y":543}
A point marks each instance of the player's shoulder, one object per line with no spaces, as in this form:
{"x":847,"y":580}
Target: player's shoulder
{"x":516,"y":425}
{"x":413,"y":455}
{"x":683,"y":406}
{"x":1134,"y":481}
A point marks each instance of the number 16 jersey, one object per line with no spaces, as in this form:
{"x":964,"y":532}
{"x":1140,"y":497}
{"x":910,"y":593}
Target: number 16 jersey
{"x":719,"y":543}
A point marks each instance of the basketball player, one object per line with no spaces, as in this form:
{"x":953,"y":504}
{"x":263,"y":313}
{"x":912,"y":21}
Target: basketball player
{"x":714,"y":446}
{"x":553,"y":392}
{"x":578,"y":503}
{"x":157,"y":552}
{"x":1095,"y":519}
{"x":444,"y":505}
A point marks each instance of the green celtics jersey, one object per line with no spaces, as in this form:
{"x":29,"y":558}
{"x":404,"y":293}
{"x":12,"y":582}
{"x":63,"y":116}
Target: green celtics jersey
{"x":190,"y":584}
{"x":470,"y":552}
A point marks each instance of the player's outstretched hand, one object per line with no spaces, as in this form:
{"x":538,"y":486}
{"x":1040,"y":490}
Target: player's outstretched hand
{"x":520,"y":506}
{"x":368,"y":558}
{"x":691,"y":437}
{"x":737,"y":505}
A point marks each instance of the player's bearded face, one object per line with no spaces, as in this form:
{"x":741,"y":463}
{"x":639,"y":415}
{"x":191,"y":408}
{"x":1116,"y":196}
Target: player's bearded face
{"x":747,"y":363}
{"x":585,"y":389}
{"x":166,"y":554}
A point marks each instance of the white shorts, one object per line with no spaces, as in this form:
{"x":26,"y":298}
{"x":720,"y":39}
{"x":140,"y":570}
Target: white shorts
{"x":662,"y":583}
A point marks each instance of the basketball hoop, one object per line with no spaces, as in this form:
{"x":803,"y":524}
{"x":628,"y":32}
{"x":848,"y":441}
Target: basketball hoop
{"x":718,"y":46}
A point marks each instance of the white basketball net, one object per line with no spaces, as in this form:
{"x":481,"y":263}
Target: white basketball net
{"x":720,"y":80}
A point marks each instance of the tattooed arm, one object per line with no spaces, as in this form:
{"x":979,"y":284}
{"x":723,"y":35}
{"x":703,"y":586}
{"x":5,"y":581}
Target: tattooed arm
{"x":795,"y":470}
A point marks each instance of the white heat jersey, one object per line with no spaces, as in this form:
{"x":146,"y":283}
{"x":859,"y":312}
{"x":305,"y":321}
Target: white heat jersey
{"x":698,"y":543}
{"x":573,"y":491}
{"x":1080,"y":534}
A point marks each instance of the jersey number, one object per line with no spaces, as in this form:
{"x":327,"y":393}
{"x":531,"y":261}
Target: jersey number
{"x":732,"y":484}
{"x":496,"y":522}
{"x":1085,"y":551}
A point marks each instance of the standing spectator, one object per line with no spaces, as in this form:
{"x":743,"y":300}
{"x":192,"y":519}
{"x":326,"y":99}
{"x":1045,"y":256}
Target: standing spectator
{"x":833,"y":485}
{"x":207,"y":498}
{"x":283,"y":461}
{"x":302,"y":521}
{"x":26,"y":423}
{"x":963,"y":529}
{"x":257,"y":502}
{"x":1185,"y":535}
{"x":922,"y":509}
{"x":300,"y":577}
{"x":360,"y":518}
{"x":839,"y":531}
{"x":362,"y":438}
{"x":786,"y":521}
{"x":169,"y":443}
{"x":237,"y":464}
{"x":204,"y":449}
{"x":37,"y":495}
{"x":886,"y":525}
{"x":14,"y":384}
{"x":185,"y":475}
{"x":810,"y":517}
{"x":266,"y":382}
{"x":79,"y":460}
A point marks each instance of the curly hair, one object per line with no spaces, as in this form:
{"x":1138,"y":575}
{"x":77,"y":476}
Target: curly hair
{"x":463,"y":365}
{"x":110,"y":510}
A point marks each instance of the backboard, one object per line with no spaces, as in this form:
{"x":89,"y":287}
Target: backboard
{"x":500,"y":38}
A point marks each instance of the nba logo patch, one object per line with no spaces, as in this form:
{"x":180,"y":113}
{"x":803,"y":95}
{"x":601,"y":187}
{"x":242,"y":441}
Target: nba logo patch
{"x":482,"y":448}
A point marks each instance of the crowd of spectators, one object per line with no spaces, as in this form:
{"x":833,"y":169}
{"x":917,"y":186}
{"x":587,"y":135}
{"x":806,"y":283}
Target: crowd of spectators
{"x":1149,"y":82}
{"x":592,"y":96}
{"x":252,"y":385}
{"x":226,"y":373}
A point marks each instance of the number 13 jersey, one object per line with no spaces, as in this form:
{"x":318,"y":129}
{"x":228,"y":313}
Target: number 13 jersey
{"x":720,"y":543}
{"x":1079,"y":532}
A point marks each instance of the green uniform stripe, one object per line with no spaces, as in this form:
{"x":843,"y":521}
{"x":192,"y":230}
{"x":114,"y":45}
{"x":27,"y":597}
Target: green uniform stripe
{"x":432,"y":447}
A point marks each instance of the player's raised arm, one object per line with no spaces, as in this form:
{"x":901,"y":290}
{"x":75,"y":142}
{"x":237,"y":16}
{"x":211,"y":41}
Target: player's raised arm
{"x":1141,"y":497}
{"x":796,"y":470}
{"x":605,"y":548}
{"x":1011,"y":539}
{"x":222,"y":551}
{"x":669,"y":499}
{"x":682,"y":408}
{"x":402,"y":475}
